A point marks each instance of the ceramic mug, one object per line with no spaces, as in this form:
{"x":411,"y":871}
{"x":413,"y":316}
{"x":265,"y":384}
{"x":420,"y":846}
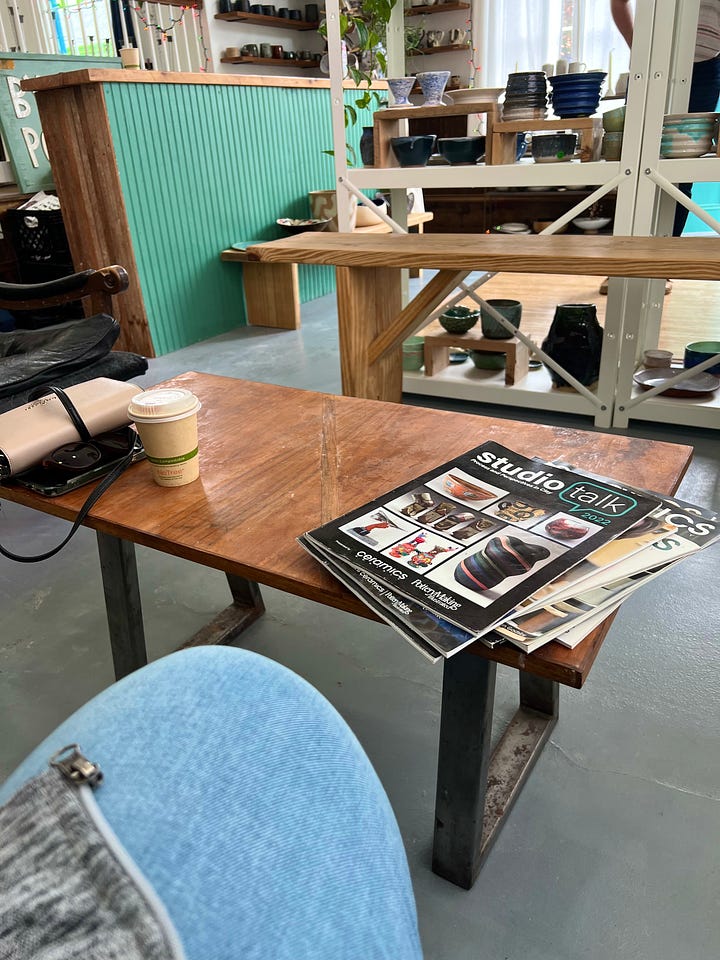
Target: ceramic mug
{"x":548,"y":69}
{"x":561,"y":67}
{"x":250,"y":50}
{"x":457,"y":36}
{"x":232,"y":52}
{"x":284,"y":13}
{"x":577,"y":67}
{"x":305,"y":55}
{"x":433,"y":38}
{"x":276,"y":51}
{"x":266,"y":51}
{"x":312,"y":12}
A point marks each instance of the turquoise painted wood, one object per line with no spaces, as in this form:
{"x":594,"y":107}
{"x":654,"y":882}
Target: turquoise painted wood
{"x":204,"y":166}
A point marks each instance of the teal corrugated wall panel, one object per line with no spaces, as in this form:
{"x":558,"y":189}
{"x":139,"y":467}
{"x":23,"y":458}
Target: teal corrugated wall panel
{"x":204,"y":166}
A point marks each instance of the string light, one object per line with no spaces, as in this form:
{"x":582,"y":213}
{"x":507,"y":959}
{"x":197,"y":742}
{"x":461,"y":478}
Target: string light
{"x":176,"y":22}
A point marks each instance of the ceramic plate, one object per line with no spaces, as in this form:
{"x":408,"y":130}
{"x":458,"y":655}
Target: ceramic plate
{"x":698,"y":384}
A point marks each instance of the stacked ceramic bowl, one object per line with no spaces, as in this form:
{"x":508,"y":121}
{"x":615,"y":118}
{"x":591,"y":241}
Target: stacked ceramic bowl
{"x":688,"y":134}
{"x":576,"y":94}
{"x":526,"y":96}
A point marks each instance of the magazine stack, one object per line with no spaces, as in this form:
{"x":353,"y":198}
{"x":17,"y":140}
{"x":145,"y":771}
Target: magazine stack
{"x":500,"y":548}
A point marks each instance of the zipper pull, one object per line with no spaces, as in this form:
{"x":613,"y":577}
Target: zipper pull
{"x":75,"y":767}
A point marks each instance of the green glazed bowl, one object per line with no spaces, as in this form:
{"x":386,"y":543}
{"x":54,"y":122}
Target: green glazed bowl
{"x":459,"y":319}
{"x":486,"y":360}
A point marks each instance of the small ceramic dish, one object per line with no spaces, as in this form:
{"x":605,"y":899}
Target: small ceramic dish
{"x":300,"y":226}
{"x":591,"y":224}
{"x":698,"y":384}
{"x":513,"y":228}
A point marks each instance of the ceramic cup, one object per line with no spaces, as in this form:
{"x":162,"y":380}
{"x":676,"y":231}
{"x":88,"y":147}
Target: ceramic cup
{"x":250,"y":50}
{"x":657,"y":358}
{"x":255,"y":8}
{"x":284,"y":13}
{"x":312,"y":12}
{"x":456,"y":36}
{"x":166,"y":420}
{"x":305,"y":55}
{"x":433,"y":83}
{"x":242,"y":5}
{"x":561,"y":67}
{"x":548,"y":69}
{"x":295,"y":15}
{"x":577,"y":67}
{"x":289,"y":55}
{"x":433,"y":38}
{"x":400,"y":87}
{"x":492,"y":328}
{"x":232,"y":53}
{"x":266,"y":51}
{"x":269,"y":11}
{"x":130,"y":57}
{"x":276,"y":51}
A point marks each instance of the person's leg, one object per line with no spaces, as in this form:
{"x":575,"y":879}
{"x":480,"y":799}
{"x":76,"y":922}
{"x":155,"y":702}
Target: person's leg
{"x":249,"y":806}
{"x":704,"y":93}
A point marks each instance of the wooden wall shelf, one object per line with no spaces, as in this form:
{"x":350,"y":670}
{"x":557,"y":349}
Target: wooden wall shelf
{"x":271,"y":62}
{"x":264,"y":21}
{"x":436,"y":8}
{"x":450,"y":48}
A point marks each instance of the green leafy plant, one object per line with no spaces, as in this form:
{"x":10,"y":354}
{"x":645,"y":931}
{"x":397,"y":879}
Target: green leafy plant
{"x":363,"y":27}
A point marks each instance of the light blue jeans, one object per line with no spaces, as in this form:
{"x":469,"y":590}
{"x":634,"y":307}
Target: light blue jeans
{"x":249,"y":806}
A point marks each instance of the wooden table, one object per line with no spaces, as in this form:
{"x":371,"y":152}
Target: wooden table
{"x":277,"y":462}
{"x":373,"y":322}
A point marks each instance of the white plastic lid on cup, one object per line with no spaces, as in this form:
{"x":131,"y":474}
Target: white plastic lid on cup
{"x":163,"y":405}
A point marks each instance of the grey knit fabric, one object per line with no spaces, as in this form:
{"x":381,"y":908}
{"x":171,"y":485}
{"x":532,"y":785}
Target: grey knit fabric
{"x":63,"y":894}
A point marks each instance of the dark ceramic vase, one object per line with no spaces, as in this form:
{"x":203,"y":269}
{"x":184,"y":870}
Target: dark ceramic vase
{"x":575,"y":342}
{"x":367,"y":147}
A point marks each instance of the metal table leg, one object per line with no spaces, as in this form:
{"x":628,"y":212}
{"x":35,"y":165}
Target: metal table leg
{"x":245,"y":609}
{"x":122,"y":603}
{"x":476,"y":791}
{"x":124,"y":609}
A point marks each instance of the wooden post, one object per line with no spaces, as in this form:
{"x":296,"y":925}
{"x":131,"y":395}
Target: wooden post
{"x":369,"y":299}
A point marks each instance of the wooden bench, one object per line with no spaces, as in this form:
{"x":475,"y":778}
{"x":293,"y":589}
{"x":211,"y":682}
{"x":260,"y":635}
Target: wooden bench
{"x":272,"y":291}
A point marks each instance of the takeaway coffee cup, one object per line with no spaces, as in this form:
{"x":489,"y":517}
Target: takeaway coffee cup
{"x":166,"y":419}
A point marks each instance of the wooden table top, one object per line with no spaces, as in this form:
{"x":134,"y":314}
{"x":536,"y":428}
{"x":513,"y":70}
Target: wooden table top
{"x":694,"y":258}
{"x":276,"y":462}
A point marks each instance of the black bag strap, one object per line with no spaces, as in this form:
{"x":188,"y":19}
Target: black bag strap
{"x":104,"y":485}
{"x":70,"y":408}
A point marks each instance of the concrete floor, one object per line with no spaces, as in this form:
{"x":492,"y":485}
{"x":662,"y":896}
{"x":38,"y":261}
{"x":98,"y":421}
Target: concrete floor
{"x":611,"y":850}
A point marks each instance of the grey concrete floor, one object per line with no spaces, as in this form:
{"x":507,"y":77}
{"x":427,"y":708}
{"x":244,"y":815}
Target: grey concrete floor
{"x":612,"y":848}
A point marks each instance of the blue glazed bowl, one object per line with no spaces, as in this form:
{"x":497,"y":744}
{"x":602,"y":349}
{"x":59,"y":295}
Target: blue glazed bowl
{"x":462,"y":149}
{"x":413,"y":151}
{"x":701,"y":350}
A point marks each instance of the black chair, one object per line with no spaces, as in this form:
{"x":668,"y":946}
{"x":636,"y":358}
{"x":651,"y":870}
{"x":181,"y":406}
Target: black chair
{"x":68,"y":352}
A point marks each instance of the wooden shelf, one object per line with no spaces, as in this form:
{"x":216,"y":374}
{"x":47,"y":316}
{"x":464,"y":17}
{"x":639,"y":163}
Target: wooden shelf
{"x":271,"y":62}
{"x":436,"y":8}
{"x":451,"y":48}
{"x":262,"y":20}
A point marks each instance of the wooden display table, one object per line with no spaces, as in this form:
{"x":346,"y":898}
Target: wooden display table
{"x":437,"y":351}
{"x":504,"y":136}
{"x":312,"y":463}
{"x":373,"y":322}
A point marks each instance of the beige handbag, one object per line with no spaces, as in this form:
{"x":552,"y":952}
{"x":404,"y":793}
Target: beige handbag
{"x":31,"y":432}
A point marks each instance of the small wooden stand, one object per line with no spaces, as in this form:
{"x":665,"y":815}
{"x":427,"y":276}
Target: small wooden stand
{"x":393,"y":123}
{"x":504,"y":136}
{"x":438,"y":342}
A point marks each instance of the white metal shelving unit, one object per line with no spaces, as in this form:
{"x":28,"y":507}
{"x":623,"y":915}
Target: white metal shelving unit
{"x":659,"y":83}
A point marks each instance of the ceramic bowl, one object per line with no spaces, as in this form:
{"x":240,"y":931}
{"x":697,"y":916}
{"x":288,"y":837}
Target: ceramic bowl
{"x":688,"y":134}
{"x":486,"y":360}
{"x":462,"y":149}
{"x":614,"y":120}
{"x":290,"y":225}
{"x":553,"y":147}
{"x":591,"y":224}
{"x":513,"y":228}
{"x":702,"y":350}
{"x":475,"y":94}
{"x":611,"y":146}
{"x":366,"y":216}
{"x":657,"y":358}
{"x":459,"y":319}
{"x":413,"y":151}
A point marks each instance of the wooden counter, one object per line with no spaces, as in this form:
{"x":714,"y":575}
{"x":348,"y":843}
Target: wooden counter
{"x":159,"y":171}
